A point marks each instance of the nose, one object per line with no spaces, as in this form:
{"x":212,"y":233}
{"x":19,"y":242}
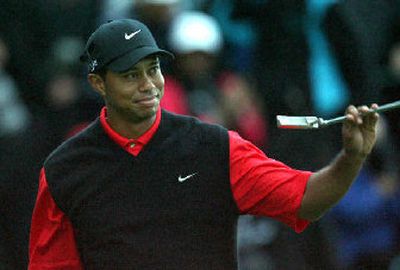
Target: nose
{"x":146,"y":83}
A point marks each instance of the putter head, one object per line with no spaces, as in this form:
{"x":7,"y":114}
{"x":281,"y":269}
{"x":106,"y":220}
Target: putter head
{"x":297,"y":122}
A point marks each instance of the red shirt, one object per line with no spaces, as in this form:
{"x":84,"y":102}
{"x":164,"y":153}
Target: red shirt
{"x":260,"y":186}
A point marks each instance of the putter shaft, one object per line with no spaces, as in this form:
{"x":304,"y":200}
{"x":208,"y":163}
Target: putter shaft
{"x":313,"y":122}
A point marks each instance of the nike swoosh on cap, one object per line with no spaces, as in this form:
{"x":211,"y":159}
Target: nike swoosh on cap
{"x":131,"y":35}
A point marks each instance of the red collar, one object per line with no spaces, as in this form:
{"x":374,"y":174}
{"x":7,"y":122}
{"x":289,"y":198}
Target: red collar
{"x":133,"y":146}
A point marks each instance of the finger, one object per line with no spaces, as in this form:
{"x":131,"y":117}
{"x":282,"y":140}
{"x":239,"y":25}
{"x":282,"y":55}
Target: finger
{"x":363,"y":112}
{"x":372,"y":118}
{"x":365,"y":116}
{"x":350,"y":121}
{"x":363,"y":109}
{"x":351,"y":115}
{"x":374,"y":106}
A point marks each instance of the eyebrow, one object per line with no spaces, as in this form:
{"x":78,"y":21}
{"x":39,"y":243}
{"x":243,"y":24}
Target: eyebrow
{"x":155,"y":62}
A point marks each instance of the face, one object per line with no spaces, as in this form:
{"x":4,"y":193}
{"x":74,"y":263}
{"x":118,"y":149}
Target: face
{"x":134,"y":94}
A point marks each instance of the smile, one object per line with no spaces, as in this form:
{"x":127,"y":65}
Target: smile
{"x":148,"y":101}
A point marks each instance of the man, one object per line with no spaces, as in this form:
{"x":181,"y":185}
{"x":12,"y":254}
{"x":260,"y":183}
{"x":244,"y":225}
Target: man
{"x":142,"y":188}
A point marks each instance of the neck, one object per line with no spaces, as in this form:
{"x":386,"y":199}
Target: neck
{"x":128,"y":128}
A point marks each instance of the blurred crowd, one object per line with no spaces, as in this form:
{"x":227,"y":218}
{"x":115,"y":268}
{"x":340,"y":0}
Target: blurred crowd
{"x":237,"y":63}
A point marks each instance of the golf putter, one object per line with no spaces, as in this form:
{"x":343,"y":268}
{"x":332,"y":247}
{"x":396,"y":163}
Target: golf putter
{"x":314,"y":122}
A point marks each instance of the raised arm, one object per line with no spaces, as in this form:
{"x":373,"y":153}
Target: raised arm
{"x":327,"y":186}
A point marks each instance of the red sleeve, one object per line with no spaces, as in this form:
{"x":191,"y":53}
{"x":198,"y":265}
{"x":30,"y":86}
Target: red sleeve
{"x":264,"y":186}
{"x":52,"y":241}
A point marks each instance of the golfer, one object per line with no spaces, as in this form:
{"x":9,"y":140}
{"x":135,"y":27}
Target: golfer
{"x":143,"y":188}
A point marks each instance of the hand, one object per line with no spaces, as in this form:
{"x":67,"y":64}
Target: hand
{"x":359,"y":131}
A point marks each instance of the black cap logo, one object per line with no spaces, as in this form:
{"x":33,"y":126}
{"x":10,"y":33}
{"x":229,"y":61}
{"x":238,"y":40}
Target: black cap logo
{"x":131,"y":35}
{"x":92,"y":65}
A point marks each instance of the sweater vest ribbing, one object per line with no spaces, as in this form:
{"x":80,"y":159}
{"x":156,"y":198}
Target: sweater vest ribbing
{"x":133,"y":212}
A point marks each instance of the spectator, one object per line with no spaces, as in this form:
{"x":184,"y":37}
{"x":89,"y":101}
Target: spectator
{"x":14,"y":115}
{"x":212,"y":93}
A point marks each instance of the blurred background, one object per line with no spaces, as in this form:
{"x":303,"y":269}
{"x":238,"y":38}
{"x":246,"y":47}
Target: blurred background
{"x":238,"y":63}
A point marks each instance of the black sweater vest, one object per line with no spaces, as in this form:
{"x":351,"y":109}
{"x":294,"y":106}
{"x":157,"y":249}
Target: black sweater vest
{"x":133,"y":212}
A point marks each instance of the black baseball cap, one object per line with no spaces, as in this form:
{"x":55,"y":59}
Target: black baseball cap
{"x":120,"y":44}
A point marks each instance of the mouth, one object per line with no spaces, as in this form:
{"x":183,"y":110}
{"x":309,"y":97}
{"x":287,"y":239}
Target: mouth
{"x":147,"y":101}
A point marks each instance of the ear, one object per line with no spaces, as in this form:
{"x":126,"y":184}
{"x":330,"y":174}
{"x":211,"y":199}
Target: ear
{"x":97,"y":83}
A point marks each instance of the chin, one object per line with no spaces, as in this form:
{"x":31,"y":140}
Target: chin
{"x":144,"y":114}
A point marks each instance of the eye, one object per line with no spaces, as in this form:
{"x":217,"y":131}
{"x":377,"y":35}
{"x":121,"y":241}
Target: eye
{"x":130,"y":76}
{"x":153,"y":70}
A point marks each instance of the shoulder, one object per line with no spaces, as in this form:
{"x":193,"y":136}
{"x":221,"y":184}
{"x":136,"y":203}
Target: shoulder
{"x":78,"y":144}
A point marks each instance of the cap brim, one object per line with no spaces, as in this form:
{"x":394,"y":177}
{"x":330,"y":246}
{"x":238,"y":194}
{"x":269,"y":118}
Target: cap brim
{"x":130,"y":59}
